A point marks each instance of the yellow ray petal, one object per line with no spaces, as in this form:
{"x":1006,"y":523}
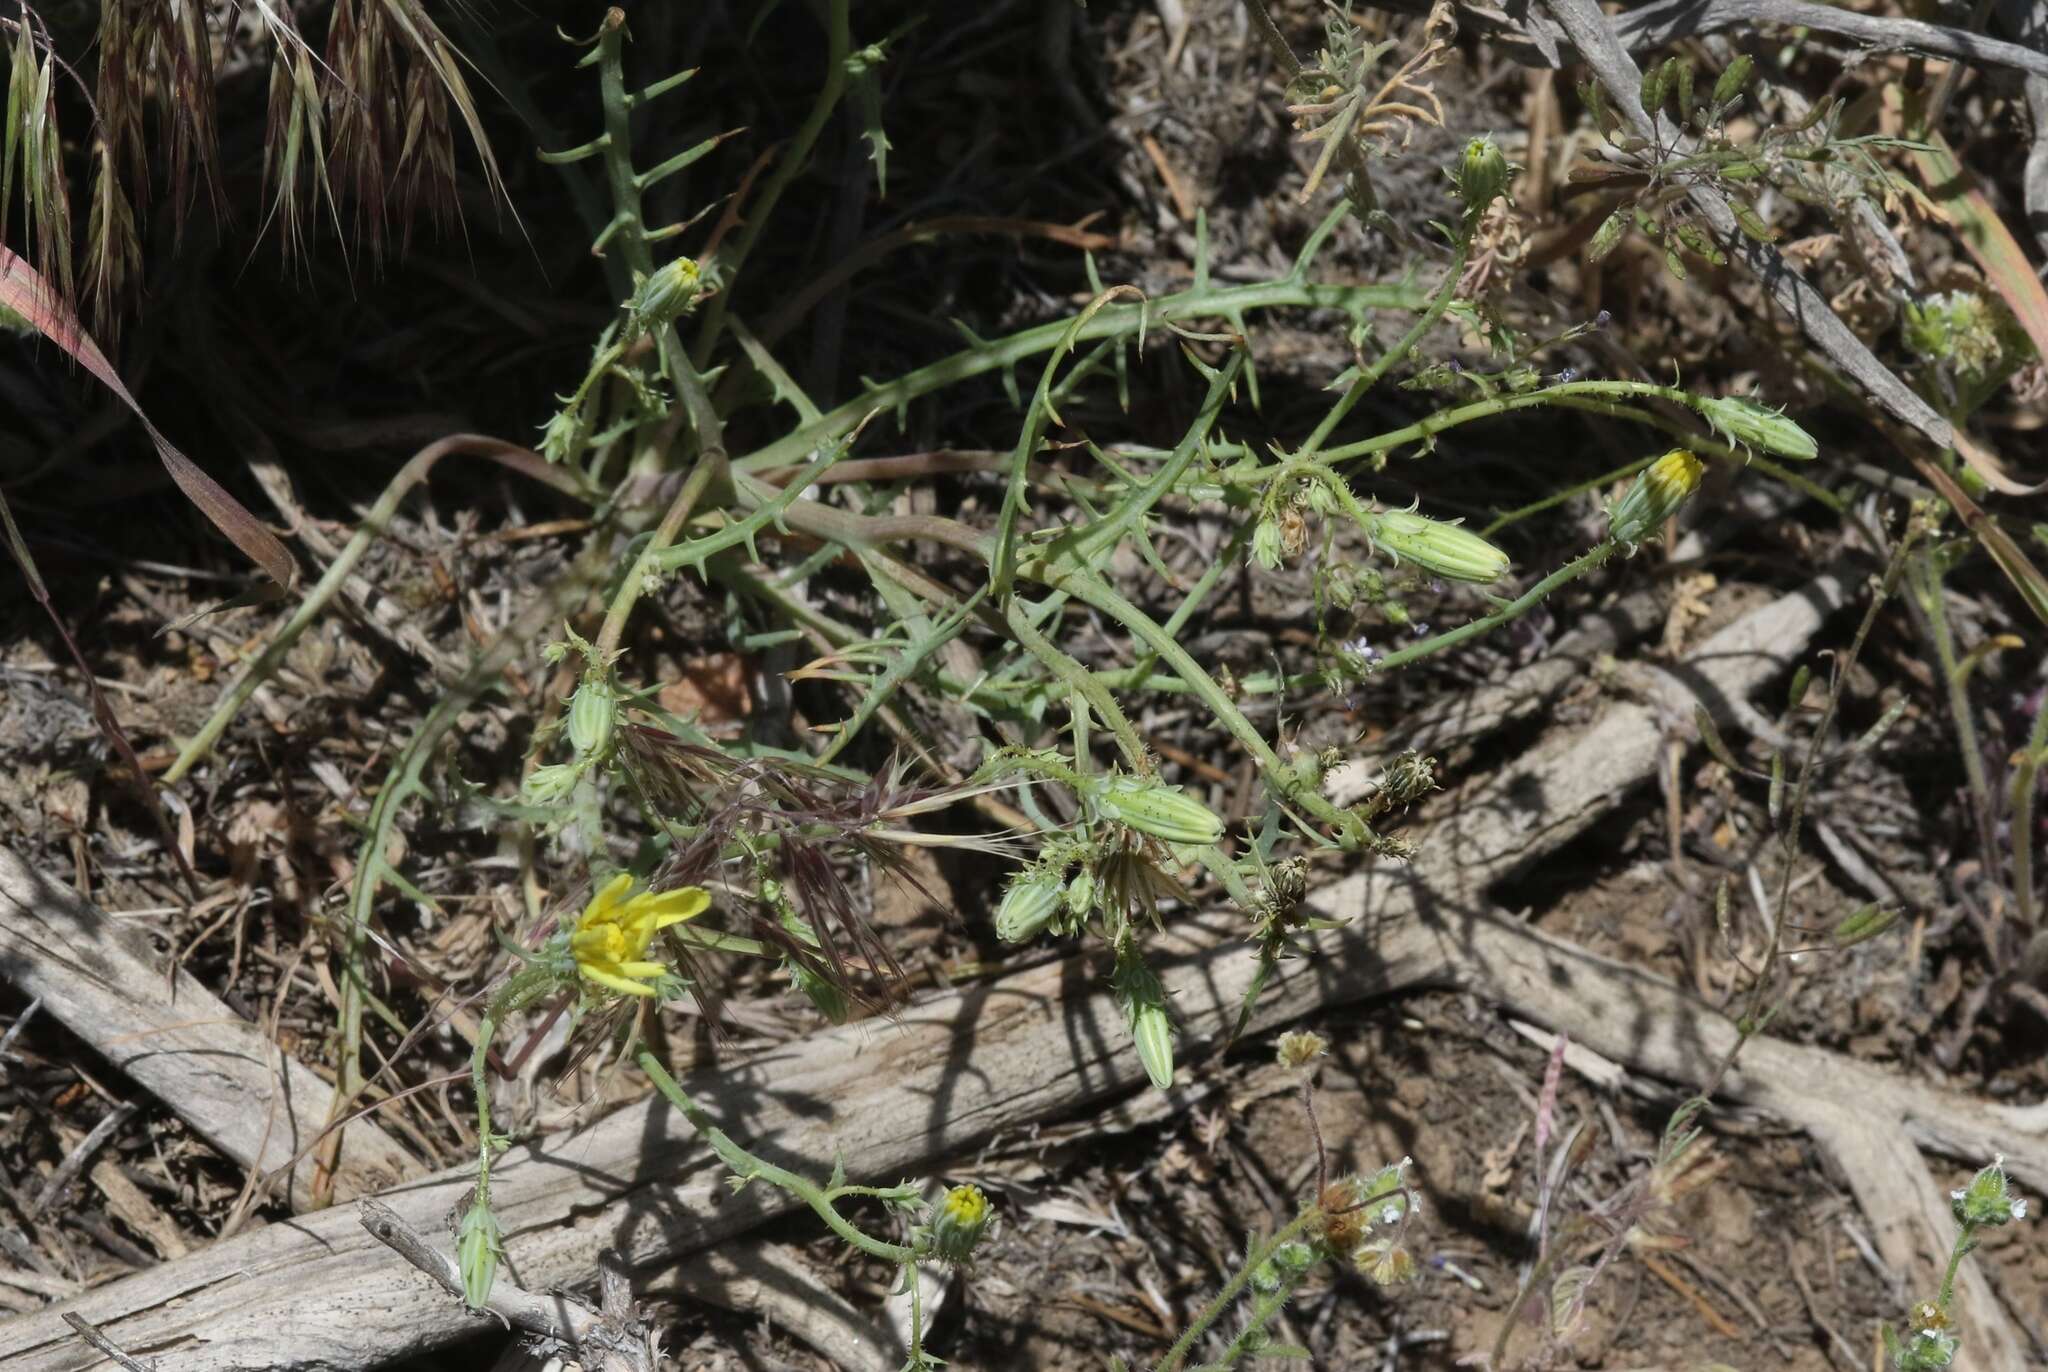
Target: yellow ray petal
{"x":601,"y":905}
{"x":604,"y":978}
{"x":673,"y":907}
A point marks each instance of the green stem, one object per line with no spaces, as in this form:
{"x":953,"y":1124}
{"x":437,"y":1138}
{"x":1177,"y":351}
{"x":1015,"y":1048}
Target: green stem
{"x":631,"y":236}
{"x":522,"y":989}
{"x":1748,"y":1023}
{"x":1082,"y":682}
{"x":1370,"y":377}
{"x":1927,"y":579}
{"x":1592,"y":559}
{"x":1264,"y":1309}
{"x":1258,"y":1257}
{"x":839,"y":44}
{"x":2025,"y":770}
{"x":1504,"y":404}
{"x":629,"y":226}
{"x":1291,"y":292}
{"x":1964,"y":1243}
{"x":709,"y":468}
{"x":1091,"y":589}
{"x":749,"y":1167}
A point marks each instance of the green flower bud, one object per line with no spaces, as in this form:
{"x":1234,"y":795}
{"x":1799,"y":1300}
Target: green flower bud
{"x":593,"y":714}
{"x":1294,"y":1258}
{"x":1929,"y":1350}
{"x":1028,"y":905}
{"x":1754,"y":426}
{"x":552,"y":785}
{"x":958,"y":1222}
{"x":479,"y":1246}
{"x":1482,"y":175}
{"x":1987,"y":1200}
{"x":561,"y":439}
{"x":1444,"y":549}
{"x":1655,"y":496}
{"x":1081,"y":894}
{"x":665,"y":295}
{"x":1144,"y":1004}
{"x":1150,"y":806}
{"x":1266,"y":544}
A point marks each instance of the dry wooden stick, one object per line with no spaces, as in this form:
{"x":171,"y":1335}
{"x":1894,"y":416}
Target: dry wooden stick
{"x":950,"y":1073}
{"x":1536,"y":40}
{"x":612,"y":1339}
{"x":213,"y":1068}
{"x":1594,"y":36}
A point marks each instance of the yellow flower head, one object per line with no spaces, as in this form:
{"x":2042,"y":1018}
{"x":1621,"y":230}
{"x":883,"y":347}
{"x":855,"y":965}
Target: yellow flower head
{"x":1656,"y":495}
{"x":965,"y":1205}
{"x":611,"y":936}
{"x":958,"y":1223}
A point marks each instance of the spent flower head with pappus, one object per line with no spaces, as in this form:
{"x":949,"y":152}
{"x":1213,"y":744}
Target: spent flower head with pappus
{"x":1301,"y":1047}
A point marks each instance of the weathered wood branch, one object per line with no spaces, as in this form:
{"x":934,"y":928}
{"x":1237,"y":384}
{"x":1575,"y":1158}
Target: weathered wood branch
{"x":214,"y":1069}
{"x":890,"y":1098}
{"x":1536,"y":40}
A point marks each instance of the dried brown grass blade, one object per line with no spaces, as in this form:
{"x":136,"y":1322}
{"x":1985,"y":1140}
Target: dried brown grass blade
{"x":2018,"y":568}
{"x":23,"y":290}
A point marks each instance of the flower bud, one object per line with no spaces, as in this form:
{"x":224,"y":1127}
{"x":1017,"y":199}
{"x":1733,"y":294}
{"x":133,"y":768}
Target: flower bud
{"x":593,"y":714}
{"x":665,"y":295}
{"x":1445,"y":549}
{"x":561,"y":438}
{"x":1266,"y":544}
{"x":1482,"y":175}
{"x":479,"y":1246}
{"x":1987,"y":1200}
{"x":1929,"y":1350}
{"x":958,"y":1222}
{"x":1151,"y":806}
{"x":1294,"y":1258}
{"x":1028,"y":905}
{"x":1754,"y":426}
{"x":1081,"y":894}
{"x":1144,"y":1003}
{"x":552,"y":785}
{"x":1654,"y":497}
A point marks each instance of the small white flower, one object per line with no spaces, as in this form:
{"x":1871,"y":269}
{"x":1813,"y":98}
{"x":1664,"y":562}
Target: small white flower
{"x":1389,"y":1213}
{"x":2019,"y":1209}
